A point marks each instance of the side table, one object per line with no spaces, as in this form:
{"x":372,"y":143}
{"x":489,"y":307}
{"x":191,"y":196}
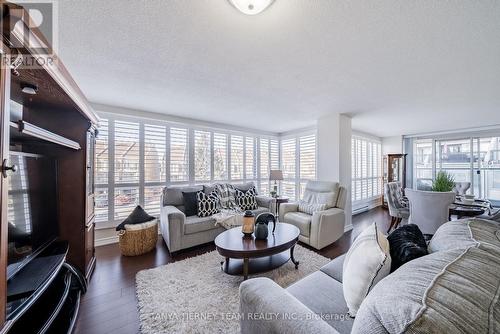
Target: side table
{"x":279,"y":200}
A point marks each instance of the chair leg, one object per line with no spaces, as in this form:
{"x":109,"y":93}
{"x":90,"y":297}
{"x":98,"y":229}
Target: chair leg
{"x":393,"y":221}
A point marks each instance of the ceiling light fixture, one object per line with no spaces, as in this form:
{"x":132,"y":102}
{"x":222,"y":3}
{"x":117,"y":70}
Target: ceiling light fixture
{"x":251,"y":7}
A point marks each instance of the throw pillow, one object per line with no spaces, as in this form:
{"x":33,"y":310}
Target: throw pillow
{"x":190,"y":203}
{"x":246,"y":200}
{"x":366,"y":263}
{"x":138,"y":216}
{"x":311,"y":208}
{"x":207,"y":204}
{"x":226,"y":193}
{"x":406,"y":243}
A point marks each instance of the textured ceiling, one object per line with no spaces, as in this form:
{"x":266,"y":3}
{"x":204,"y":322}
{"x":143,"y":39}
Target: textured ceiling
{"x":397,"y":67}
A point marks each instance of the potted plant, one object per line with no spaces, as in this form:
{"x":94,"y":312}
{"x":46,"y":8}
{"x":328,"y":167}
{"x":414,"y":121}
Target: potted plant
{"x":444,"y":182}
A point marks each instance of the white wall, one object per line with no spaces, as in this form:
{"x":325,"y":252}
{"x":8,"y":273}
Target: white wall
{"x":334,"y":153}
{"x":392,"y":145}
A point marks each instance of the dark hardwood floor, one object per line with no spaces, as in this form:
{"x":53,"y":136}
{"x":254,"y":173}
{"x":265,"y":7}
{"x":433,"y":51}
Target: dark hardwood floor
{"x":109,"y":306}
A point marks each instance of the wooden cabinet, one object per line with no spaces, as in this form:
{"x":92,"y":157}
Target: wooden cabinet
{"x":394,"y":171}
{"x":60,"y":108}
{"x":90,"y":203}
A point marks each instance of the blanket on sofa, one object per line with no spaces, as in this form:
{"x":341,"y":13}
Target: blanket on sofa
{"x":229,"y":218}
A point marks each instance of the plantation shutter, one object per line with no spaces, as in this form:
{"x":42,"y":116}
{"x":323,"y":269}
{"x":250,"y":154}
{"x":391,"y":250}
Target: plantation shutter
{"x":236,"y":157}
{"x":179,"y":155}
{"x":102,"y":154}
{"x":249,"y":158}
{"x":288,"y":159}
{"x":220,"y":156}
{"x":126,"y":152}
{"x":202,"y":155}
{"x":155,"y":151}
{"x":307,"y":147}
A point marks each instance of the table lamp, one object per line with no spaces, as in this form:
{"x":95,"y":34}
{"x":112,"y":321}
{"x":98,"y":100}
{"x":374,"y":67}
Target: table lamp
{"x":275,"y":175}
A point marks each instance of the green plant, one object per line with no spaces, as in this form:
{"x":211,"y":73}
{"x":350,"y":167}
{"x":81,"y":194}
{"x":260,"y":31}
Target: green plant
{"x":444,"y":182}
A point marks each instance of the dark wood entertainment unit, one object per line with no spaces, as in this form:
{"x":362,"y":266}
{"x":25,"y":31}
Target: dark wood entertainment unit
{"x":57,"y":121}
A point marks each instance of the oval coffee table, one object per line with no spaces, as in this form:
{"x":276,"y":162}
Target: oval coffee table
{"x":246,"y":255}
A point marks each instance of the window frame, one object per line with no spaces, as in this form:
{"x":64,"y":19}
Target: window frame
{"x":373,"y":176}
{"x":297,"y":179}
{"x":111,"y":185}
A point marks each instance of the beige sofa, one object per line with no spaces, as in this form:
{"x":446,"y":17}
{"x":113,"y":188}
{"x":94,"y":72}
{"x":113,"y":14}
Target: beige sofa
{"x":322,"y":227}
{"x":181,"y":232}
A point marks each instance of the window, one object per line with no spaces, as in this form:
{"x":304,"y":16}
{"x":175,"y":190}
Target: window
{"x":264,"y":166}
{"x":101,"y":172}
{"x":220,"y":156}
{"x":468,"y":159}
{"x":136,"y":158}
{"x":307,"y":160}
{"x":155,"y":158}
{"x":236,"y":157}
{"x":102,"y":153}
{"x":288,"y":160}
{"x":249,"y":158}
{"x":155,"y":166}
{"x":179,"y":155}
{"x":366,"y":169}
{"x":298,"y":160}
{"x":126,"y":152}
{"x":202,"y":156}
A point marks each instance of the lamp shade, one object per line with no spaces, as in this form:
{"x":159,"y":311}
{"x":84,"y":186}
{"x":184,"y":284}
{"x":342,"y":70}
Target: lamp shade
{"x":276,"y":175}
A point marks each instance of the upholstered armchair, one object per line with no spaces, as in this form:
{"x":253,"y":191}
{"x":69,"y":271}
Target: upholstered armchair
{"x":461,"y":188}
{"x":429,"y":209}
{"x":397,"y":204}
{"x":319,"y":215}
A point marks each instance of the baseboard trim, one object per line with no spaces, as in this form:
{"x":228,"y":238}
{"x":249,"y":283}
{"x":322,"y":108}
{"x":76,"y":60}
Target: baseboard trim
{"x":110,"y":240}
{"x":106,"y":241}
{"x":348,"y":228}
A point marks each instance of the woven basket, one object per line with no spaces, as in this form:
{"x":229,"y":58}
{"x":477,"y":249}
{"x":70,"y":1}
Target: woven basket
{"x":137,"y":242}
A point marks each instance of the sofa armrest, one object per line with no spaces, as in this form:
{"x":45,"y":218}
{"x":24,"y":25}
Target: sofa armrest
{"x":172,"y":226}
{"x":326,"y":227}
{"x":265,"y":307}
{"x":265,"y":201}
{"x":286,"y":208}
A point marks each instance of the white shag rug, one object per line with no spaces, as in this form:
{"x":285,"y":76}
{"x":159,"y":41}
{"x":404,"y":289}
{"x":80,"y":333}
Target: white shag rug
{"x":196,"y":296}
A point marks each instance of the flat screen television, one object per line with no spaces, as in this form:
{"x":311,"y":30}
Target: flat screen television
{"x":32,"y":208}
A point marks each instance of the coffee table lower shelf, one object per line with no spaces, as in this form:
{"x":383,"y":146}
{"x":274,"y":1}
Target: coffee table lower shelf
{"x":257,"y":265}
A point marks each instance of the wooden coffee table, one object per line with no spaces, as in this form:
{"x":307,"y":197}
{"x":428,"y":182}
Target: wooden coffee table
{"x":246,"y":255}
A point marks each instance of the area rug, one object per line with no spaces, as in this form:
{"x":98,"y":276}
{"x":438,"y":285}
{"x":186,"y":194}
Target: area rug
{"x":196,"y":296}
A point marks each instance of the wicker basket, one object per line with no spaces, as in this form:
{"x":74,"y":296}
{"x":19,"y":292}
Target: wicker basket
{"x":138,"y":240}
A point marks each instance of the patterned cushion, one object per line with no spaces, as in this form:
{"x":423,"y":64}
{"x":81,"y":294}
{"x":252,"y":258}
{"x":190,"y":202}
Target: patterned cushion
{"x":311,"y":208}
{"x":226,"y":194}
{"x":207,"y":204}
{"x":246,"y":199}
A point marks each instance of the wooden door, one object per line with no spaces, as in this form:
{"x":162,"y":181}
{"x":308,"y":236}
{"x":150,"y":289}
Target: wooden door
{"x":4,"y":161}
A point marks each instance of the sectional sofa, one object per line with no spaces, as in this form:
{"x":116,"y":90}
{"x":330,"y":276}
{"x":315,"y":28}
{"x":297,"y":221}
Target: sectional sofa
{"x":453,"y":289}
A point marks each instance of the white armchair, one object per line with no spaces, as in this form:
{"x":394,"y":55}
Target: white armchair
{"x":318,"y":228}
{"x":429,"y":209}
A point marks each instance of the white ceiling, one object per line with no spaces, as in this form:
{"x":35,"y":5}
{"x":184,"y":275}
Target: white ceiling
{"x":398,"y":67}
